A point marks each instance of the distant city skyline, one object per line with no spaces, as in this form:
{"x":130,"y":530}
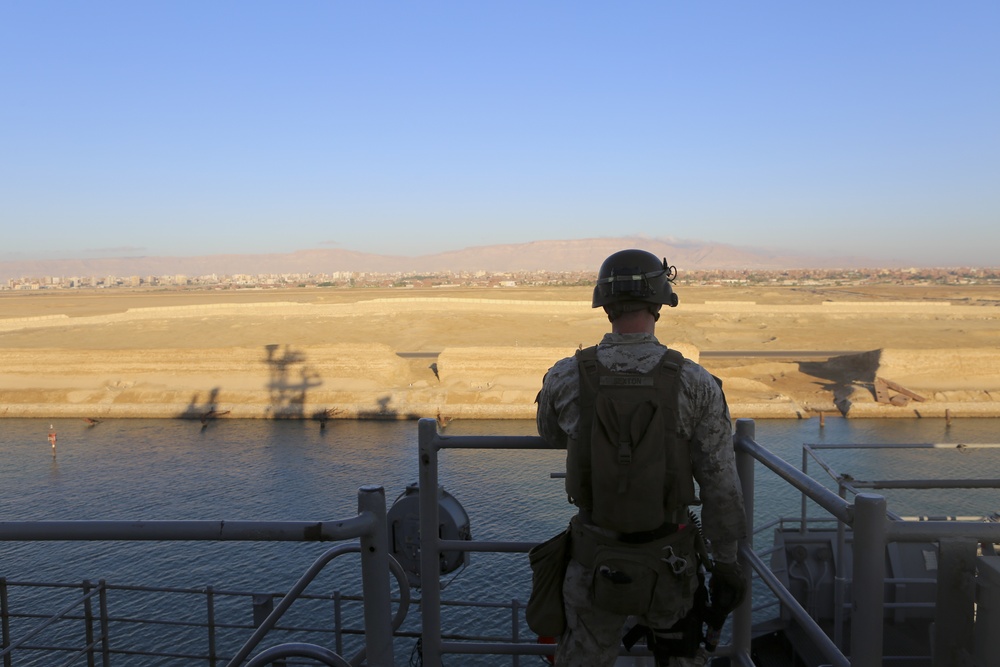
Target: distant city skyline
{"x":565,"y":256}
{"x":188,"y":129}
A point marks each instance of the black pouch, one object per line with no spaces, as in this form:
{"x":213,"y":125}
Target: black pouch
{"x":545,"y":613}
{"x":636,"y":579}
{"x":624,"y":580}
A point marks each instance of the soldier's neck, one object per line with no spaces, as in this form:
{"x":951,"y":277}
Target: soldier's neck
{"x":639,"y":321}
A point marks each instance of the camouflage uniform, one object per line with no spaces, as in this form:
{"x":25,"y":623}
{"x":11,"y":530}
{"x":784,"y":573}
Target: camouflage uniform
{"x":592,"y":636}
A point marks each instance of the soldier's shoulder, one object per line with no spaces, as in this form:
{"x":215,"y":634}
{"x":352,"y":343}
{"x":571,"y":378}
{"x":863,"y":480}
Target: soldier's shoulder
{"x":696,"y":374}
{"x":562,"y":369}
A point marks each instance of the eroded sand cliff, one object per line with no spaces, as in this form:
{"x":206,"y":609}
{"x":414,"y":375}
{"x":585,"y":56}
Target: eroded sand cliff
{"x":465,"y":359}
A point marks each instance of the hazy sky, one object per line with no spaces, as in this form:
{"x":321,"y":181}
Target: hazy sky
{"x":201,"y":127}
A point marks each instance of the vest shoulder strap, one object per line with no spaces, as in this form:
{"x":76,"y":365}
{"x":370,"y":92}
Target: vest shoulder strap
{"x":589,"y":374}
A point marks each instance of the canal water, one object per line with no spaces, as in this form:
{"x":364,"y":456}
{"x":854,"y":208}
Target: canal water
{"x":293,"y":470}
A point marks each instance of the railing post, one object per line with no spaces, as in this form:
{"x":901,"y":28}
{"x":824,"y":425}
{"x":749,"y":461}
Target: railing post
{"x":105,"y":626}
{"x":840,"y":579}
{"x":803,"y":524}
{"x":869,"y":577}
{"x":375,"y":579}
{"x":742,"y":620}
{"x":88,"y":624}
{"x":955,"y":607}
{"x":515,"y":633}
{"x":210,"y":602}
{"x":430,"y":568}
{"x":4,"y":621}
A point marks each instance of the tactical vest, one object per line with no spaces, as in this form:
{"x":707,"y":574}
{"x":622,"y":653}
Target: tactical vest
{"x":628,"y":467}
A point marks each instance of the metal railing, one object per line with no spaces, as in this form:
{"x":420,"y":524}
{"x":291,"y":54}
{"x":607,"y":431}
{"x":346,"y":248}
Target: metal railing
{"x":867,"y":516}
{"x":201,"y":630}
{"x":369,"y":526}
{"x":873,"y":528}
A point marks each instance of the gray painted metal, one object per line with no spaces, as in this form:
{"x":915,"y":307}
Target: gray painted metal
{"x":369,"y":525}
{"x":801,"y":616}
{"x":931,"y":531}
{"x":873,"y":530}
{"x":954,"y":620}
{"x":324,"y":655}
{"x":869,"y":576}
{"x":987,"y":632}
{"x":821,"y":495}
{"x":742,"y":617}
{"x":927,"y":484}
{"x":375,"y":579}
{"x":252,"y":531}
{"x":430,"y":584}
{"x":375,"y":564}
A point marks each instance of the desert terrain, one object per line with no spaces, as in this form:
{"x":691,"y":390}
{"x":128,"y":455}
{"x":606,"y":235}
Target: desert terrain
{"x":468,"y":353}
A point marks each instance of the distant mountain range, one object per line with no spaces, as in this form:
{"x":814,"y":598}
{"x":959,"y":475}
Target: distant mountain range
{"x":573,"y":255}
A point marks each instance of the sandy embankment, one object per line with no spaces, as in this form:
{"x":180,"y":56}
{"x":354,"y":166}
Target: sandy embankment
{"x":168,"y":362}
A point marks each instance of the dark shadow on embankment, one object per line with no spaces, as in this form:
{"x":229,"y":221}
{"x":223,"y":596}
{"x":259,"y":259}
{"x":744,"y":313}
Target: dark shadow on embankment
{"x":844,"y":374}
{"x":385,"y":412}
{"x":200,"y":410}
{"x":289,"y":381}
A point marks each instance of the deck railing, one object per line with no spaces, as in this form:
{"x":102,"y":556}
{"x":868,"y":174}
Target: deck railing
{"x":369,"y":526}
{"x":867,"y":516}
{"x":874,"y":527}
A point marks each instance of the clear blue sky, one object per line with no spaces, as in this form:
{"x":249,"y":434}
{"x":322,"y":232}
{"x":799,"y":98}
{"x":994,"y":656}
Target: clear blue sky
{"x":200,"y":127}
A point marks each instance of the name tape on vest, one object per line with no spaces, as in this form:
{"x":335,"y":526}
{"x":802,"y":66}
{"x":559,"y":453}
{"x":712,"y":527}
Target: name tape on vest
{"x":626,"y":381}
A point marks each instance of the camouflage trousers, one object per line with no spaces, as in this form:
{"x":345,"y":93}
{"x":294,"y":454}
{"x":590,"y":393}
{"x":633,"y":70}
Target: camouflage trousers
{"x":593,"y":637}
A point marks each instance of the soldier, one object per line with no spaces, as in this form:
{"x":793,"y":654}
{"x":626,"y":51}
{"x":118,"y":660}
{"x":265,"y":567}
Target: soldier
{"x":640,"y":424}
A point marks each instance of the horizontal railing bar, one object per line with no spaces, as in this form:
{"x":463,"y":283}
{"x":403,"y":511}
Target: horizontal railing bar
{"x":476,"y":545}
{"x":902,"y":445}
{"x":932,"y":531}
{"x":928,"y":484}
{"x":201,"y":624}
{"x":256,"y":531}
{"x":223,"y":593}
{"x":481,"y":605}
{"x":217,"y":593}
{"x":492,"y":442}
{"x":160,"y":654}
{"x":481,"y":648}
{"x":917,"y":519}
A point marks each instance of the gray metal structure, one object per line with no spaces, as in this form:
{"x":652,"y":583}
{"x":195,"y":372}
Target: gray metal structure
{"x":864,"y":598}
{"x":369,"y":525}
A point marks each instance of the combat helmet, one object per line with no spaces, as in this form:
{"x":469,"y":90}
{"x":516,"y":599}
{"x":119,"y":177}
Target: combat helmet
{"x":635,"y":275}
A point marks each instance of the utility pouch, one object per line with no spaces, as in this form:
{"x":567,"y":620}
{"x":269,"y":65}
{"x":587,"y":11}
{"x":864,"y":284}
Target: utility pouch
{"x":654,"y":577}
{"x":625,"y":580}
{"x":545,"y":613}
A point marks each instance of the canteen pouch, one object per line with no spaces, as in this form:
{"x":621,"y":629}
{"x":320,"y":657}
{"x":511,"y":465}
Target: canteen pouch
{"x":545,"y":613}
